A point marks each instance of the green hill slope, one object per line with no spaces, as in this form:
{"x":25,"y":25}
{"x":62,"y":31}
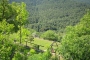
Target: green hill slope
{"x":54,"y":14}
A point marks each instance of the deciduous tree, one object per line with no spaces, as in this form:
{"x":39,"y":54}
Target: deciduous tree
{"x":75,"y":44}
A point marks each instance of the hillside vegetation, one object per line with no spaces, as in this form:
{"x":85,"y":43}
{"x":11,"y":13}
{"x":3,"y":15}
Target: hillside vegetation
{"x":54,"y":14}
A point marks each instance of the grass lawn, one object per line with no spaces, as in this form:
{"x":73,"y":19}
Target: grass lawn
{"x":42,"y":42}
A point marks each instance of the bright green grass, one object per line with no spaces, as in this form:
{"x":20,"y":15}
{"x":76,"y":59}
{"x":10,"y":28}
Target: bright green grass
{"x":42,"y":42}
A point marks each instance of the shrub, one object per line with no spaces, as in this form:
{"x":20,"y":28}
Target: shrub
{"x":50,"y":35}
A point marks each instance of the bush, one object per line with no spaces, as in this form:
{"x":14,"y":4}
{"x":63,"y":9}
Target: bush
{"x":40,"y":56}
{"x":50,"y":35}
{"x":32,"y":51}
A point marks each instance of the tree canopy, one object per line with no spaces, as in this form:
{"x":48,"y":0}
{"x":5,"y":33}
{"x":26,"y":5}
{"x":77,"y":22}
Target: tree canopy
{"x":14,"y":13}
{"x":10,"y":14}
{"x":75,"y":44}
{"x":54,"y":14}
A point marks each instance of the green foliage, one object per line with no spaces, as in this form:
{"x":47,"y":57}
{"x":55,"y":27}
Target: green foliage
{"x":35,"y":57}
{"x":40,"y":56}
{"x":6,"y":27}
{"x":75,"y":44}
{"x":54,"y":14}
{"x":21,"y":14}
{"x":14,"y":13}
{"x":20,"y":11}
{"x":50,"y":35}
{"x":32,"y":52}
{"x":21,"y":53}
{"x":6,"y":11}
{"x":30,"y":38}
{"x":16,"y":36}
{"x":9,"y":49}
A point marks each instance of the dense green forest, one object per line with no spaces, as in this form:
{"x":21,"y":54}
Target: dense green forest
{"x":66,"y":26}
{"x":54,"y":14}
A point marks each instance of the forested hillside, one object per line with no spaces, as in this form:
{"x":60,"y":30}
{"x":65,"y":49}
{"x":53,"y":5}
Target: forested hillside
{"x":54,"y":14}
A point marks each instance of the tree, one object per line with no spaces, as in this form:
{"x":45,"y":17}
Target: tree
{"x":9,"y":20}
{"x":75,"y":45}
{"x":14,"y":13}
{"x":5,"y":48}
{"x":21,"y":16}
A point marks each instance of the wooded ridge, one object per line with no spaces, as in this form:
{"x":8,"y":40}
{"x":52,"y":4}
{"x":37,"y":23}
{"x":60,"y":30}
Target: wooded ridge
{"x":54,"y":14}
